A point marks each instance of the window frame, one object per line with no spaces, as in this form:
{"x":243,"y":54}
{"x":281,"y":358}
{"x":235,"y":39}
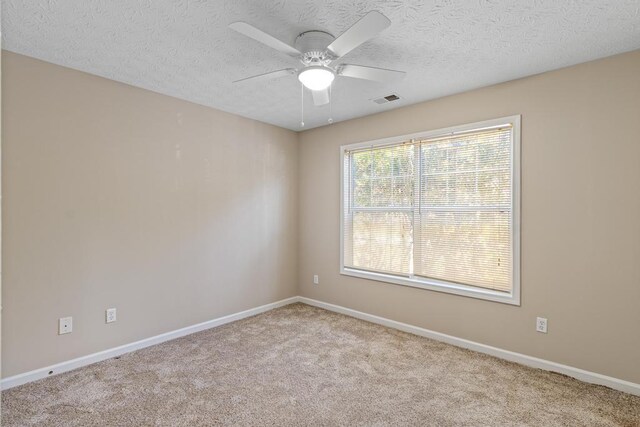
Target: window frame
{"x":513,"y":297}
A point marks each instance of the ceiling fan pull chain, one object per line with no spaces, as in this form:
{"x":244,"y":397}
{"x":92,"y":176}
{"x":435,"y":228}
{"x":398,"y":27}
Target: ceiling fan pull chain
{"x":301,"y":105}
{"x":331,"y":104}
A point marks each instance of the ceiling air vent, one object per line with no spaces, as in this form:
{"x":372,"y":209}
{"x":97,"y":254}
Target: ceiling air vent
{"x":385,"y":99}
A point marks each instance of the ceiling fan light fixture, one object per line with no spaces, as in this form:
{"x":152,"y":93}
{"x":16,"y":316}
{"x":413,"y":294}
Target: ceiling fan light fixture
{"x":316,"y":77}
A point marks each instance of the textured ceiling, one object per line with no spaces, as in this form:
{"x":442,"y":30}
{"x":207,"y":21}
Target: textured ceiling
{"x":183,"y":48}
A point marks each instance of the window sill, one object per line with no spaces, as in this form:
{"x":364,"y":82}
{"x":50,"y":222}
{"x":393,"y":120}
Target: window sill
{"x":436,"y":285}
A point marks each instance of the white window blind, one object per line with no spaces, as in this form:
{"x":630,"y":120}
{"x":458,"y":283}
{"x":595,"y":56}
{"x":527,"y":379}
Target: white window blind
{"x":435,"y":210}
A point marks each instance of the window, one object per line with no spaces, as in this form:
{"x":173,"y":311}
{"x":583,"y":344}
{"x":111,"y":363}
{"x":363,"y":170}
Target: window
{"x":437,"y":210}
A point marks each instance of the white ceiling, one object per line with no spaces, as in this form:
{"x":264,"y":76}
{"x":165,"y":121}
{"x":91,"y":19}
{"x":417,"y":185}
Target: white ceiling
{"x":183,"y":48}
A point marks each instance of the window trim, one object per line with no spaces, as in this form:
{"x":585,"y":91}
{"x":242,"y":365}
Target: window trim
{"x":513,"y":297}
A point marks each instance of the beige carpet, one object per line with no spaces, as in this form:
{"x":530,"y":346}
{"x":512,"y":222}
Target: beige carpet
{"x":300,"y":365}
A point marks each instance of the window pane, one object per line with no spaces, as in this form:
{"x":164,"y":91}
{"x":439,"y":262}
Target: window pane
{"x":470,"y":170}
{"x":383,"y":177}
{"x":471,"y":248}
{"x":382,"y":241}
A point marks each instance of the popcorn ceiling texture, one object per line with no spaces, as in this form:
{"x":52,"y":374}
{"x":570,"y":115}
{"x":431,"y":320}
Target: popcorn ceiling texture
{"x":303,"y":366}
{"x":183,"y":48}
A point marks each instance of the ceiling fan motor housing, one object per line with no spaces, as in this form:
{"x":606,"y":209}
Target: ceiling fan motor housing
{"x":313,"y":45}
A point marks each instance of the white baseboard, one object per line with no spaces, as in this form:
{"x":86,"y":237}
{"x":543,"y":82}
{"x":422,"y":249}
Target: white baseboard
{"x":587,"y":376}
{"x":580,"y":374}
{"x":69,"y":365}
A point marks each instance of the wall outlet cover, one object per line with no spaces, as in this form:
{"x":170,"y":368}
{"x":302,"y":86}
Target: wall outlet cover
{"x":110,"y":315}
{"x":541,"y":324}
{"x":65,"y":325}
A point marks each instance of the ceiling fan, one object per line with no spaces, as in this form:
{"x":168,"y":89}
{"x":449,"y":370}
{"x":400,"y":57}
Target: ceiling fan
{"x":318,"y":51}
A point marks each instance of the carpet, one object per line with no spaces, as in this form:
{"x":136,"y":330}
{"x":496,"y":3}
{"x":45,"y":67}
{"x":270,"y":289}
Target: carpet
{"x":303,"y":366}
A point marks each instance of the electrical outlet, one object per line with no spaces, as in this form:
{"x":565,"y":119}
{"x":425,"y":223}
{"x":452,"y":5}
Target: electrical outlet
{"x":110,"y":315}
{"x":541,"y":324}
{"x":316,"y":280}
{"x":65,"y":325}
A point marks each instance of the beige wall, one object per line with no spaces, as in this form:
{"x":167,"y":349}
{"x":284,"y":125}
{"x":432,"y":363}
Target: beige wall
{"x":580,"y":218}
{"x":174,"y":213}
{"x":115,"y":196}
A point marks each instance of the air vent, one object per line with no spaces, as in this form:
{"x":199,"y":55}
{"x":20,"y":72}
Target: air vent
{"x":385,"y":99}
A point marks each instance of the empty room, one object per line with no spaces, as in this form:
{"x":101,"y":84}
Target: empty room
{"x":320,"y":213}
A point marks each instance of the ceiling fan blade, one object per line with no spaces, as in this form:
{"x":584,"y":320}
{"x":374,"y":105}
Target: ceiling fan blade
{"x":320,"y":97}
{"x":370,"y":73}
{"x":269,"y":75}
{"x":264,"y":38}
{"x":366,"y":28}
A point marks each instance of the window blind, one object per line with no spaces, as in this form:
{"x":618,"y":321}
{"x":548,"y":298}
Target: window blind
{"x":435,"y":208}
{"x":381,"y":214}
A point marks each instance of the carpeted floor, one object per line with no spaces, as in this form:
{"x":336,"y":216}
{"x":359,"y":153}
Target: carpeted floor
{"x":299,"y":365}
